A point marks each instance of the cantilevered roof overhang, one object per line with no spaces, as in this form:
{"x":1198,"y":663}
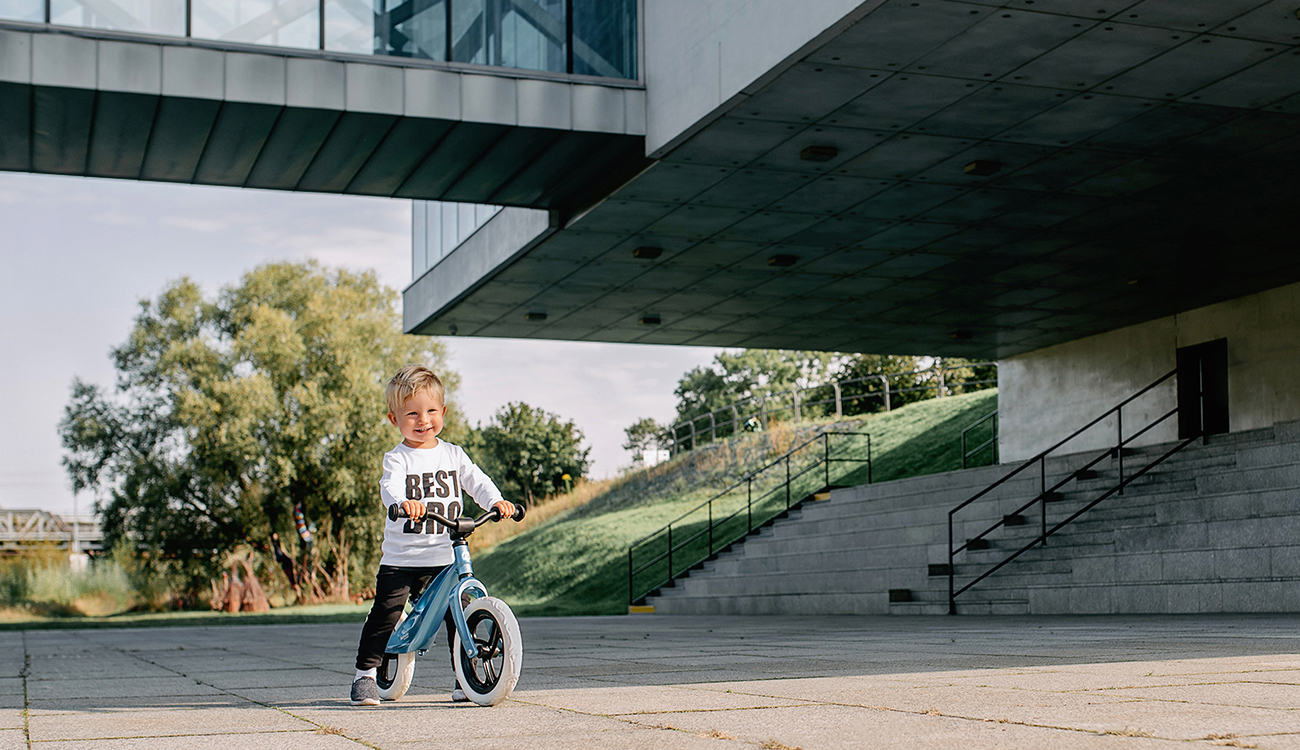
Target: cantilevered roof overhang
{"x":101,"y":104}
{"x":962,"y":178}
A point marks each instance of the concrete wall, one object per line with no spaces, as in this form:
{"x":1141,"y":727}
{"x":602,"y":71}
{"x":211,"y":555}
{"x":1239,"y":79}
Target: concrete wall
{"x":1047,"y":394}
{"x":700,"y":56}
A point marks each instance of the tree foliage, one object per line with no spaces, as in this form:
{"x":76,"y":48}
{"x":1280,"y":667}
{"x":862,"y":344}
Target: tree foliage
{"x":642,"y":435}
{"x":229,"y":412}
{"x":528,"y":451}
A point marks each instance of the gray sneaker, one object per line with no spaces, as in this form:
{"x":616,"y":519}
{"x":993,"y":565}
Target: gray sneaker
{"x":365,"y":692}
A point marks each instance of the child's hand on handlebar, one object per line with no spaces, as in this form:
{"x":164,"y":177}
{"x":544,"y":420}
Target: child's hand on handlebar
{"x":414,"y":509}
{"x":506,"y":508}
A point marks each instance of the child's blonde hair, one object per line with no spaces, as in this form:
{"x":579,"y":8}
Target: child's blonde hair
{"x":409,"y":381}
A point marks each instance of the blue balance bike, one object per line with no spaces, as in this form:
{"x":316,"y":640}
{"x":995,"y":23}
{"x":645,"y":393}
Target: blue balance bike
{"x":488,"y":652}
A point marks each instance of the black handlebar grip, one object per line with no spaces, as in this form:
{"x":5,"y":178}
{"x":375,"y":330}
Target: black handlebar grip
{"x":395,"y":512}
{"x":519,"y":513}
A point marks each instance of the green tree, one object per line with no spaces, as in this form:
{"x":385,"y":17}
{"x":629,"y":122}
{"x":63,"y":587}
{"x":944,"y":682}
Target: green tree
{"x":228,"y":413}
{"x":751,"y":373}
{"x":643,"y":434}
{"x":528,"y":451}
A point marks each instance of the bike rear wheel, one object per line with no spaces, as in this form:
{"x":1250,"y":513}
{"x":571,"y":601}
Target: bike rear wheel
{"x":489,"y":678}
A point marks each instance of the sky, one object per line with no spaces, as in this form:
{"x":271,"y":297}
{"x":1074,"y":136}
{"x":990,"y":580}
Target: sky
{"x":78,"y":254}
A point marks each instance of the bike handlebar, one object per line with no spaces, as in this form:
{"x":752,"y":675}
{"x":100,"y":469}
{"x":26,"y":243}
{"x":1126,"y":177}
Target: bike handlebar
{"x":460,"y":525}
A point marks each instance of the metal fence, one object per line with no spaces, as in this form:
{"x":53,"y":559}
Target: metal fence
{"x":754,"y":413}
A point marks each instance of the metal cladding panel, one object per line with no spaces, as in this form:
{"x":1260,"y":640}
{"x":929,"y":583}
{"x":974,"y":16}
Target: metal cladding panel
{"x":599,"y":108}
{"x":408,"y":144}
{"x":458,"y":151}
{"x":545,"y":104}
{"x":193,"y":73}
{"x":499,"y":164}
{"x":121,"y":134}
{"x":534,"y":185}
{"x":291,"y":147}
{"x":255,"y":78}
{"x":130,"y":68}
{"x":61,"y":121}
{"x":374,"y":88}
{"x":64,"y":61}
{"x":488,"y":99}
{"x":15,"y":56}
{"x":344,"y":153}
{"x":15,"y":127}
{"x":181,"y":131}
{"x":316,"y":84}
{"x":432,"y":93}
{"x":238,"y":136}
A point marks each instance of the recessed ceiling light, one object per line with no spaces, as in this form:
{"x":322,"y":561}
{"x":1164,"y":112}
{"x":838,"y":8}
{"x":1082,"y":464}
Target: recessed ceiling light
{"x":535,"y":316}
{"x":650,"y":320}
{"x":783,"y":261}
{"x":647,"y":253}
{"x":961,"y":335}
{"x":982,"y":167}
{"x":819,"y":153}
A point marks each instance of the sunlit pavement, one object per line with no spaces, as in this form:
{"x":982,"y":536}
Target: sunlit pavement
{"x":679,"y":682}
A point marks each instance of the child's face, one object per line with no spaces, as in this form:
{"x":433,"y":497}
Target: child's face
{"x":420,"y":420}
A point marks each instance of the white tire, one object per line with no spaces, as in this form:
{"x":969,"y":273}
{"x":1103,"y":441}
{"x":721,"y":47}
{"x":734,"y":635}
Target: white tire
{"x":488,"y":680}
{"x":395,"y":673}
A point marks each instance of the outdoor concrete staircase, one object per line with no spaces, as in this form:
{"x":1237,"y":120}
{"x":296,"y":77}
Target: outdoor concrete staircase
{"x":1215,"y":528}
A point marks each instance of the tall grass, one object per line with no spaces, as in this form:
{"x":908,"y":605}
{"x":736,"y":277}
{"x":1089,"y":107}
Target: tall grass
{"x":44,"y":583}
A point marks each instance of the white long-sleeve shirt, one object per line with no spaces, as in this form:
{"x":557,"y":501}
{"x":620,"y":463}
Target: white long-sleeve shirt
{"x":434,"y":476}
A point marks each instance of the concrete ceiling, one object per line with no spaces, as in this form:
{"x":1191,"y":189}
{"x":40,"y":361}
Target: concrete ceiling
{"x":1146,"y":154}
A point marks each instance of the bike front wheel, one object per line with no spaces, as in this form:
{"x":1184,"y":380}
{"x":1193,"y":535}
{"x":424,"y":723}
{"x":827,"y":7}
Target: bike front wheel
{"x":395,"y":673}
{"x":489,"y":678}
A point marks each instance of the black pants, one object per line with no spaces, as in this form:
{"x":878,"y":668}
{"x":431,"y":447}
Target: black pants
{"x":393,"y":586}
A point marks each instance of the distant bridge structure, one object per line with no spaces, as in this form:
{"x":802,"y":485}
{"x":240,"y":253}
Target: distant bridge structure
{"x":22,"y":528}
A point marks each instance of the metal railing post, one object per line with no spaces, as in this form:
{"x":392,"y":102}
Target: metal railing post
{"x":826,"y":442}
{"x":868,"y":459}
{"x":787,"y":483}
{"x":952,"y":597}
{"x":839,"y":402}
{"x":710,"y":528}
{"x":670,"y":552}
{"x":1119,"y":446}
{"x":735,"y":420}
{"x":762,"y":410}
{"x":713,"y":428}
{"x":940,"y":383}
{"x":630,"y":591}
{"x":884,"y":386}
{"x":692,"y":434}
{"x":798,"y":413}
{"x":1042,"y":493}
{"x":749,"y":504}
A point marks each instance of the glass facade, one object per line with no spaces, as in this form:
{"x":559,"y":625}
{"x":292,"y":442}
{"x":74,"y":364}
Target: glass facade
{"x":148,"y":16}
{"x":280,"y":23}
{"x":586,"y":37}
{"x":438,"y":228}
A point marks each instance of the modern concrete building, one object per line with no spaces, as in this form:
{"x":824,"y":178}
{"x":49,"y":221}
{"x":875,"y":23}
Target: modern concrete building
{"x":1081,"y":189}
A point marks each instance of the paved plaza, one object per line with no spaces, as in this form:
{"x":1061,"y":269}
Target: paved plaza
{"x":651,"y":681}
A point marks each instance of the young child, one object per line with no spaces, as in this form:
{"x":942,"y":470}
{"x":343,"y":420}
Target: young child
{"x":421,"y":468}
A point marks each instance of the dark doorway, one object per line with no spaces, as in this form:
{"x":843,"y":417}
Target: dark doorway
{"x":1203,"y":389}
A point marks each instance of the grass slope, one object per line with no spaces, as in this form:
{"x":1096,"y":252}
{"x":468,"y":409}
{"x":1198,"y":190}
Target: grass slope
{"x":576,"y":563}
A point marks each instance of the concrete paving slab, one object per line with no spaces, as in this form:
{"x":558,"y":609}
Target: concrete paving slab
{"x":279,"y":741}
{"x":149,"y":723}
{"x":646,"y":681}
{"x":11,"y":718}
{"x":638,"y":700}
{"x":11,"y":685}
{"x":12,"y":739}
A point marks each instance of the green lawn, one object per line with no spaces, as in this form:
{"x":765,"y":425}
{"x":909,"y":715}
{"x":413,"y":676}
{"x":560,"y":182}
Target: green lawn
{"x":577,"y":564}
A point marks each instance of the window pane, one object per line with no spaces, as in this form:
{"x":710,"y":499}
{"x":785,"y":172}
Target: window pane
{"x":419,"y":238}
{"x":282,"y":23}
{"x":525,"y":34}
{"x":23,"y":10}
{"x":604,"y":38}
{"x":412,"y":28}
{"x":448,"y":227}
{"x":349,"y":26}
{"x":466,"y":222}
{"x":152,"y":16}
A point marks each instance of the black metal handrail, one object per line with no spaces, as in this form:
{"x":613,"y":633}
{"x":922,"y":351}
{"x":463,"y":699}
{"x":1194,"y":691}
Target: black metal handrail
{"x":966,"y":454}
{"x":712,"y":527}
{"x":1045,"y":493}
